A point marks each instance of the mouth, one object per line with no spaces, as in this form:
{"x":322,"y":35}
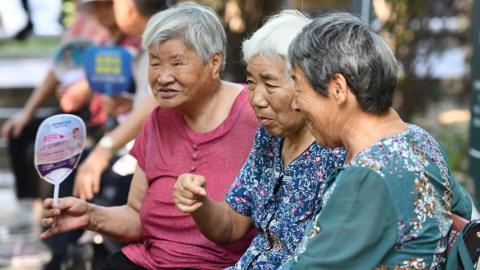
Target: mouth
{"x":265,"y":120}
{"x":167,"y":93}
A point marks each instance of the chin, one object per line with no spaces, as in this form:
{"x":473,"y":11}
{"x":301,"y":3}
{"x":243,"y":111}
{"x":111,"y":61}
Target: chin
{"x":274,"y":131}
{"x":167,"y":104}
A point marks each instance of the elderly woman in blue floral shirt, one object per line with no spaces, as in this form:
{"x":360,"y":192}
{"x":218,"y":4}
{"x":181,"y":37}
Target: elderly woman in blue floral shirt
{"x":391,"y":205}
{"x":277,"y":189}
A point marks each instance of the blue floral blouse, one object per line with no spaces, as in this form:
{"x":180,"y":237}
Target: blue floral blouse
{"x":389,"y":208}
{"x":280,"y":200}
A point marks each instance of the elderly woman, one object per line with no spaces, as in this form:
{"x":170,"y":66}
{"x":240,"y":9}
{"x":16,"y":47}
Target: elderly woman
{"x":199,"y":117}
{"x":390,"y":206}
{"x":277,"y":188}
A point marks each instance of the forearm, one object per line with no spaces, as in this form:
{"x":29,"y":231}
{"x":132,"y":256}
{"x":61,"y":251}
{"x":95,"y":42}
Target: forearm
{"x":216,"y":221}
{"x":41,"y":93}
{"x":119,"y":222}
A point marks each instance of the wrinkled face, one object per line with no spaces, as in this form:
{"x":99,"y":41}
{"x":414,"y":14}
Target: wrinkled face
{"x":177,"y":75}
{"x":317,"y":108}
{"x":271,"y":93}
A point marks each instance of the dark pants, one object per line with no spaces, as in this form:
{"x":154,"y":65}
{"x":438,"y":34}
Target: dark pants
{"x":21,"y":153}
{"x":118,"y":261}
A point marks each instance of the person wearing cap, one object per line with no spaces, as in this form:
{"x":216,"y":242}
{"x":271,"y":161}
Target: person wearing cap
{"x":199,"y":116}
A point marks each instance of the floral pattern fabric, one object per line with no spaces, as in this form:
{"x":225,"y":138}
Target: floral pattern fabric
{"x":403,"y":195}
{"x":279,"y":199}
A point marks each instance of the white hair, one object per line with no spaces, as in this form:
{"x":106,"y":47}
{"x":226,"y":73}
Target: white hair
{"x":275,"y":36}
{"x":198,"y":26}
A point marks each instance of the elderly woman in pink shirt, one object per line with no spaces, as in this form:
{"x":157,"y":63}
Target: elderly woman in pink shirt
{"x":202,"y":125}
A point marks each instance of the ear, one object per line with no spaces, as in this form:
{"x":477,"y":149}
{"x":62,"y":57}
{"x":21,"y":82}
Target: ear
{"x":216,"y":62}
{"x":338,"y":88}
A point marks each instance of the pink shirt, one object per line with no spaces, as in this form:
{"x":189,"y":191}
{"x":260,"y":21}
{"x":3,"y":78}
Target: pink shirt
{"x":166,"y":148}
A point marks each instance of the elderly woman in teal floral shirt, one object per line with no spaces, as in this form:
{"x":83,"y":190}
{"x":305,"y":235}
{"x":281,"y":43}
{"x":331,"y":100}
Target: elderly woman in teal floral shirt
{"x":391,"y":205}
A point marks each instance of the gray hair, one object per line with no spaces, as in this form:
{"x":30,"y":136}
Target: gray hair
{"x":275,"y":36}
{"x":340,"y":43}
{"x":197,"y":26}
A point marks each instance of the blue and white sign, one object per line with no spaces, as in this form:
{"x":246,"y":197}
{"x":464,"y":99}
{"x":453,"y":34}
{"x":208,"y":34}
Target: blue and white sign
{"x":108,"y":69}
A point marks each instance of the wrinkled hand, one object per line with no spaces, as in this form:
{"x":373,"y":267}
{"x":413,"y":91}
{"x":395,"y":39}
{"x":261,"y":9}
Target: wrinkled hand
{"x":15,"y":125}
{"x":87,"y":180}
{"x":74,"y":96}
{"x":70,"y":214}
{"x":189,"y":192}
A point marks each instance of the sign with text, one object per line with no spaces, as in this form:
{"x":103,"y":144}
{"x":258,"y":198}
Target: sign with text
{"x":108,"y":69}
{"x":59,"y":145}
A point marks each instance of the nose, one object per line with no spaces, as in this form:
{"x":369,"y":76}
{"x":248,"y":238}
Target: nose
{"x":165,"y":78}
{"x":258,"y":99}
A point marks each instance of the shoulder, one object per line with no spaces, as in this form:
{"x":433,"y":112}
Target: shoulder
{"x":160,"y":117}
{"x":328,"y":156}
{"x":246,"y":113}
{"x":360,"y":174}
{"x":355,"y":180}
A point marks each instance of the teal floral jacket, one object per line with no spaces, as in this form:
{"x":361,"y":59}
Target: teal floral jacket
{"x":389,"y":208}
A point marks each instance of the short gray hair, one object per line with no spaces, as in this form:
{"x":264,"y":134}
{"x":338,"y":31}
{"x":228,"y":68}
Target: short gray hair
{"x":197,"y":26}
{"x":340,"y":43}
{"x":275,"y":36}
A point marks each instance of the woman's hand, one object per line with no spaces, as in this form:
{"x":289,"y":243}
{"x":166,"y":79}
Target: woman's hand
{"x":87,"y":180}
{"x":73,"y":97}
{"x":70,"y":214}
{"x":189,"y":192}
{"x":15,"y":125}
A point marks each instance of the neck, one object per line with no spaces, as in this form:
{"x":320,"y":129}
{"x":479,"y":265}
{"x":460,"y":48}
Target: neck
{"x":362,"y":130}
{"x":212,"y":109}
{"x":295,"y":144}
{"x":141,"y":25}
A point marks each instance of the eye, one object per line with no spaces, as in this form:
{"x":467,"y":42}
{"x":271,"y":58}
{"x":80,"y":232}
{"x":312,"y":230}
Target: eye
{"x":251,"y":84}
{"x":269,"y":85}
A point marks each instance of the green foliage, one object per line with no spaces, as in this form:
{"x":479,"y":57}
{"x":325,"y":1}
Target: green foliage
{"x":68,"y":12}
{"x":34,"y":46}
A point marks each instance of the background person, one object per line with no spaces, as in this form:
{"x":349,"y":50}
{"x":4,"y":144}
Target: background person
{"x":132,"y":17}
{"x":20,"y":130}
{"x":198,"y":118}
{"x":391,"y":205}
{"x":277,"y":189}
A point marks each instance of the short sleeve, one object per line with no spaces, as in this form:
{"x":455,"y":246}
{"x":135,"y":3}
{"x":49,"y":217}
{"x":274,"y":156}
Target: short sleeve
{"x":240,"y":196}
{"x":357,"y":226}
{"x":138,"y":149}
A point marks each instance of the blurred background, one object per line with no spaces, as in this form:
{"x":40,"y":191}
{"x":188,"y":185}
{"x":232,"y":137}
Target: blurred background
{"x":435,"y":41}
